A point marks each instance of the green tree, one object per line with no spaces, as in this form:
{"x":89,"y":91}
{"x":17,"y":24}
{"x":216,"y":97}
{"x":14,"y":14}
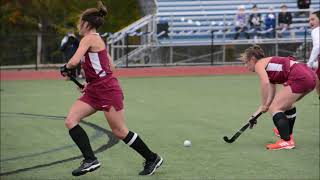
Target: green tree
{"x":53,"y":18}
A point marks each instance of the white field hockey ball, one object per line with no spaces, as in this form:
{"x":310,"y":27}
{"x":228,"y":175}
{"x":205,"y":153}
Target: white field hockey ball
{"x":187,"y":143}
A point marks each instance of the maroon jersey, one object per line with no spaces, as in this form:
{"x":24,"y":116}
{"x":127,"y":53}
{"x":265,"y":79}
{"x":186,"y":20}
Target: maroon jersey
{"x":96,"y":65}
{"x":103,"y":90}
{"x":299,"y":77}
{"x":278,"y":69}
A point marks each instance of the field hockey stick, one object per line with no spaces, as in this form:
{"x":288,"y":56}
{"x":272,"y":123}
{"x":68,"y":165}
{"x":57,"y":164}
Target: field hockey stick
{"x":81,"y":86}
{"x":240,"y":131}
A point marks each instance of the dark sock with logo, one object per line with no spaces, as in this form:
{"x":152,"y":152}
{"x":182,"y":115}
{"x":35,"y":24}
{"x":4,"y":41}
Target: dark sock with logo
{"x":136,"y":143}
{"x":291,"y":116}
{"x":80,"y":137}
{"x":281,"y":122}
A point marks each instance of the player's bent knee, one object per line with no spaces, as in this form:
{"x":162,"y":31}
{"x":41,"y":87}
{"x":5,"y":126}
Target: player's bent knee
{"x":120,"y":133}
{"x":272,"y":109}
{"x":69,"y":123}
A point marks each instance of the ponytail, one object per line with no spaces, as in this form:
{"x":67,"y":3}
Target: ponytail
{"x":102,"y":10}
{"x":95,"y":16}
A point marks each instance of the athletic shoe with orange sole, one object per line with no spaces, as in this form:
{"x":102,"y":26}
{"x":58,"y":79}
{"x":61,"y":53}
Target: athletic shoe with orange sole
{"x":282,"y":144}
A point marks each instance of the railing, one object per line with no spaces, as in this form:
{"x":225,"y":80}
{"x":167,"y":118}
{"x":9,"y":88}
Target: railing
{"x":140,"y":44}
{"x":164,"y":50}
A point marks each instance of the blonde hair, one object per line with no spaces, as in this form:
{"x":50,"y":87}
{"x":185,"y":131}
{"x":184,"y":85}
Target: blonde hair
{"x":253,"y":51}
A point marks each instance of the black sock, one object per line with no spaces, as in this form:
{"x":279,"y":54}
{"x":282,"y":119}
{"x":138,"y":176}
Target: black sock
{"x":80,"y":137}
{"x":291,"y":116}
{"x":135,"y":142}
{"x":281,"y":122}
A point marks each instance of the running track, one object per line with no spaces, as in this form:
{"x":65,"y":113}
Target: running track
{"x":131,"y":72}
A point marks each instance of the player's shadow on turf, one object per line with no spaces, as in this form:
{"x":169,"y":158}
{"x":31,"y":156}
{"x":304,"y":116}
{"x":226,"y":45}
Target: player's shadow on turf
{"x":112,"y":141}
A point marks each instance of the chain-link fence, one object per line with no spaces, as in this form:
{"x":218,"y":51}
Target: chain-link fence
{"x":22,"y":48}
{"x":201,"y":54}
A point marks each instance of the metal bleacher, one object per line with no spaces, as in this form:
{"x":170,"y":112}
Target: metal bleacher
{"x":194,"y":20}
{"x":202,"y":31}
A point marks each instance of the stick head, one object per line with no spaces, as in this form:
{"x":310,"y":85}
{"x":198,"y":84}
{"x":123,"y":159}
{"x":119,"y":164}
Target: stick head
{"x":226,"y":139}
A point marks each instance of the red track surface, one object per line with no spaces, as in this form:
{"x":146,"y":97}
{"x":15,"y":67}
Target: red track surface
{"x":132,"y":72}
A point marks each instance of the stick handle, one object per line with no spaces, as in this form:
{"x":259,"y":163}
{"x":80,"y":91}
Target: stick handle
{"x":253,"y":120}
{"x":81,"y":86}
{"x":256,"y":116}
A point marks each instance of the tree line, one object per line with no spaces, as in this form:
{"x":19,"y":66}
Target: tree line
{"x":22,"y":20}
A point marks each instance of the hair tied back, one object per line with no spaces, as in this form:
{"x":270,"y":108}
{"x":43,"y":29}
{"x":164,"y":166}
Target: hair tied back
{"x":102,"y":9}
